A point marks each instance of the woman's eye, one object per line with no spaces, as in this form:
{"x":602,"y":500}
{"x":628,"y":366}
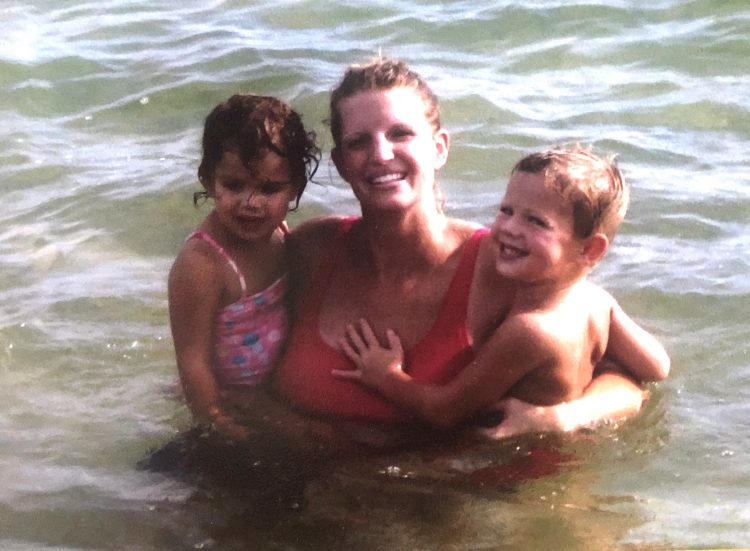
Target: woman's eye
{"x":505,"y":211}
{"x":400,"y":133}
{"x":356,"y":142}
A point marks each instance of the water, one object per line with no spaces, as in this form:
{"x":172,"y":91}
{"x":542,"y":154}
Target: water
{"x":101,"y":106}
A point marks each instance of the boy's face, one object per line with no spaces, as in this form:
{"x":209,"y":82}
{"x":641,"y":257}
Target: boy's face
{"x":533,"y":233}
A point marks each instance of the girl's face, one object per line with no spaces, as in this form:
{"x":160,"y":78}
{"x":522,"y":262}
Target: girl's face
{"x":252,"y":202}
{"x":388,"y":150}
{"x":533,"y":233}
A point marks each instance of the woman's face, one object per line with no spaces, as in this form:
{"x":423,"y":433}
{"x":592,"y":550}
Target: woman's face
{"x":388,"y":150}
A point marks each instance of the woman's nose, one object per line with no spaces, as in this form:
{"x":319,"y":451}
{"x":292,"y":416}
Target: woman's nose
{"x":382,"y":148}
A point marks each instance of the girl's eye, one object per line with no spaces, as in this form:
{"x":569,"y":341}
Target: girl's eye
{"x":271,"y":188}
{"x":506,"y":211}
{"x":232,"y":186}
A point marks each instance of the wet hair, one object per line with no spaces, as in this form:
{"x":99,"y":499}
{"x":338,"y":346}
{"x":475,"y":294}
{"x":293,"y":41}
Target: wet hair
{"x":380,"y":74}
{"x":250,"y":125}
{"x":592,"y":185}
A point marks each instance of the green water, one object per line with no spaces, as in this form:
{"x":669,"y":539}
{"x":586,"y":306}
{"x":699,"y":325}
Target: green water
{"x":102,"y":105}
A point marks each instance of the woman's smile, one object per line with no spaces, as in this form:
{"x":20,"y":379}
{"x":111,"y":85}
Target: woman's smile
{"x":392,"y":178}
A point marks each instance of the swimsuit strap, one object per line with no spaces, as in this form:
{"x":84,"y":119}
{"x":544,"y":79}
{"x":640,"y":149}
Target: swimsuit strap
{"x":203,"y":236}
{"x":458,"y":291}
{"x":453,"y":311}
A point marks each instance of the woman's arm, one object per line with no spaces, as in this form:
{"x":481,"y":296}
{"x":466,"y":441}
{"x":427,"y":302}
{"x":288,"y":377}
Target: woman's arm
{"x":634,"y":348}
{"x":610,"y":396}
{"x":194,"y":301}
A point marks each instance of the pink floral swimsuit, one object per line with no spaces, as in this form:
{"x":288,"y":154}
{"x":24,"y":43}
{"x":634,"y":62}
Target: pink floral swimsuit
{"x":251,"y":332}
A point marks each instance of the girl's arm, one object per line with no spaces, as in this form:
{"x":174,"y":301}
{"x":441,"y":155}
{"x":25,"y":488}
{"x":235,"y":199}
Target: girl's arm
{"x":511,"y":352}
{"x":634,"y":348}
{"x":194,"y":300}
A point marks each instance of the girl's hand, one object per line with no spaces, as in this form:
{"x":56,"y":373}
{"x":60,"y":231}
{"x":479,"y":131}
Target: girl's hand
{"x":226,"y":426}
{"x":373,"y":362}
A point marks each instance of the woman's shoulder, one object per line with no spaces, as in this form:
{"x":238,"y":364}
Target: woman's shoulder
{"x":316,"y":233}
{"x":309,"y":241}
{"x":320,"y":227}
{"x":464,"y":230}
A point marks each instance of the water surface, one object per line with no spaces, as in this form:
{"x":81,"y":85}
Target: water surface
{"x":102,"y":105}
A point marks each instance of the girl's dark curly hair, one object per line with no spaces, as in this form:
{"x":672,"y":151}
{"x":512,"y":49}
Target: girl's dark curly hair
{"x":249,"y":124}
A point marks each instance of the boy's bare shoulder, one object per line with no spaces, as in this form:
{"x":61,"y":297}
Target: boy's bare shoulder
{"x":536,"y":334}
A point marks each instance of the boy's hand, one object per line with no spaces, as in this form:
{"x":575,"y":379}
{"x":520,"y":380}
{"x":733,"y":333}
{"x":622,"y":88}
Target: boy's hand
{"x":374,"y":363}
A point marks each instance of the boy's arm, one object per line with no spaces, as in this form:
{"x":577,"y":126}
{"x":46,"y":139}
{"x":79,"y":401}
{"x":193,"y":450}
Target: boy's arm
{"x":516,"y":348}
{"x":194,"y":297}
{"x":609,"y":396}
{"x":634,"y":348}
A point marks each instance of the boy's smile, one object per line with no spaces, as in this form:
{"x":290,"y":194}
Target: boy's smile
{"x":533,"y":231}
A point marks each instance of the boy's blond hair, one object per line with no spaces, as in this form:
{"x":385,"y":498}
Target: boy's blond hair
{"x":592,"y":185}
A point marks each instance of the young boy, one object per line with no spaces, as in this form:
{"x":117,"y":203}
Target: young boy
{"x":558,"y":217}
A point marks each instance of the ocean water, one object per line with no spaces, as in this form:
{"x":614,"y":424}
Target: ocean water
{"x":101,"y":106}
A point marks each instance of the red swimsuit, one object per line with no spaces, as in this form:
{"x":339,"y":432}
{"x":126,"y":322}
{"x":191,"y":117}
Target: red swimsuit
{"x":304,"y":376}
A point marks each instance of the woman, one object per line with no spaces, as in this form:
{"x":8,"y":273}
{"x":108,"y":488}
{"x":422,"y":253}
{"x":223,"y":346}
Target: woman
{"x":403,"y":265}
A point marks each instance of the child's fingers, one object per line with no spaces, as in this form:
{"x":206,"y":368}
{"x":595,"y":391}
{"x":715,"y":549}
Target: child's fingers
{"x":350,"y":374}
{"x":355,"y":338}
{"x":350,"y":353}
{"x":394,"y":342}
{"x":367,"y":333}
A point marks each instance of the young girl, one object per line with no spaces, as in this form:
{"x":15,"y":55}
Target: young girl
{"x":227,"y":287}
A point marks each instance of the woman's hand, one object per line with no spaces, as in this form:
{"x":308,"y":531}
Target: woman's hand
{"x":609,"y":396}
{"x":520,"y":417}
{"x":373,"y":363}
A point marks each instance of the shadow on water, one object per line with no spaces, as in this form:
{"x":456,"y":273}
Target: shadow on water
{"x":535,"y":492}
